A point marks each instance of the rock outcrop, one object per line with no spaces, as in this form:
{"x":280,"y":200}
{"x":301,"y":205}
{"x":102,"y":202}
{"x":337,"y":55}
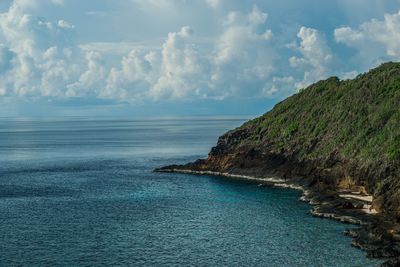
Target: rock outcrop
{"x":332,"y":136}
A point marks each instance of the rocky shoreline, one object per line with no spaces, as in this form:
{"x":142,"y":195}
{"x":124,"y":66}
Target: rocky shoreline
{"x":373,"y":234}
{"x":339,"y":142}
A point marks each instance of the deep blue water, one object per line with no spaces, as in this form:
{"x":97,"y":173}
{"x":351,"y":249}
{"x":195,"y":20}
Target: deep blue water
{"x":82,"y":193}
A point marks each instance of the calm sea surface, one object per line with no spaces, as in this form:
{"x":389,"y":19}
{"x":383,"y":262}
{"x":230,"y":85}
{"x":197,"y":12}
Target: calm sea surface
{"x":82,"y":192}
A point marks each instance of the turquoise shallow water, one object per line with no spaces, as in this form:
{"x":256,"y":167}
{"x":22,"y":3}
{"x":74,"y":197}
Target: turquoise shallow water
{"x":82,"y":193}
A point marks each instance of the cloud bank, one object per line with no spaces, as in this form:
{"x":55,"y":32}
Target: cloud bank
{"x":247,"y":58}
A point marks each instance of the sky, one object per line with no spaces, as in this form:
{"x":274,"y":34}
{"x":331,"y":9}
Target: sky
{"x":142,"y":58}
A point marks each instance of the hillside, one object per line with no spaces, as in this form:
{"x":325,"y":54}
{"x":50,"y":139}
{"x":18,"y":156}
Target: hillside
{"x":339,"y":133}
{"x":342,"y":130}
{"x":334,"y":135}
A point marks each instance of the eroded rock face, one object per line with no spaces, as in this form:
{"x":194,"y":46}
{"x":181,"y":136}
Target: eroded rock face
{"x":331,"y":136}
{"x":331,"y":172}
{"x":338,"y":133}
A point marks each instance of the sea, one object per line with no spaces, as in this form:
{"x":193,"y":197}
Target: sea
{"x":82,"y":192}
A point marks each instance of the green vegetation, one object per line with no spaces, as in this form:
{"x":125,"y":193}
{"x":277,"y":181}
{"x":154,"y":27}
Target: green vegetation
{"x":360,"y":119}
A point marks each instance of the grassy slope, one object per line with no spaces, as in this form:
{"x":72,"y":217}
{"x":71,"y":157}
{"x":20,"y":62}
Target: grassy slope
{"x":357,"y":120}
{"x":360,"y":118}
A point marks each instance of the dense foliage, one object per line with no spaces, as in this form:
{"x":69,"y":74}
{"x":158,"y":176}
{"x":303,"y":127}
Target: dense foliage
{"x":359,"y":119}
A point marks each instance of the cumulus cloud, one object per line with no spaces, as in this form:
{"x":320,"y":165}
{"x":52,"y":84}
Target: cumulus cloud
{"x":374,"y":39}
{"x":43,"y":58}
{"x":315,"y":56}
{"x":243,"y":58}
{"x":137,"y":73}
{"x":46,"y":60}
{"x":176,"y":71}
{"x":90,"y":79}
{"x":182,"y":68}
{"x":38,"y":55}
{"x":245,"y":54}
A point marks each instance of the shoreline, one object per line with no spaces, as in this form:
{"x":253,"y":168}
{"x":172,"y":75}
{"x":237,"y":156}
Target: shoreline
{"x":307,"y":195}
{"x":368,"y":234}
{"x":374,"y":232}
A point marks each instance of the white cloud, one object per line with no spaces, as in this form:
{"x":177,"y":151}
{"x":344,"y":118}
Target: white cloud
{"x":315,"y":56}
{"x":257,"y":17}
{"x":243,"y":59}
{"x":138,"y":71}
{"x":43,"y":61}
{"x":177,"y":71}
{"x":25,"y":3}
{"x":375,"y":38}
{"x":282,"y":86}
{"x":348,"y":36}
{"x":90,"y":79}
{"x":182,"y":69}
{"x":117,"y":48}
{"x":245,"y":54}
{"x":27,"y":33}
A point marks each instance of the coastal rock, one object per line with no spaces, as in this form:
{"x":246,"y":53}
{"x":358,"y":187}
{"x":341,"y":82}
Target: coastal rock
{"x":395,"y":262}
{"x":332,"y":137}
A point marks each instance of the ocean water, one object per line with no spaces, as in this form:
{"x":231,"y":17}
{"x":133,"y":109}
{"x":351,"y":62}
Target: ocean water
{"x":80,"y":192}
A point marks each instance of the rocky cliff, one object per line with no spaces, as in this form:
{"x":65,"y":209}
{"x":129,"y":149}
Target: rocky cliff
{"x":334,"y":135}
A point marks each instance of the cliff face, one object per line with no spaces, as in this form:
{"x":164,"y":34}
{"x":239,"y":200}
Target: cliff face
{"x":332,"y":135}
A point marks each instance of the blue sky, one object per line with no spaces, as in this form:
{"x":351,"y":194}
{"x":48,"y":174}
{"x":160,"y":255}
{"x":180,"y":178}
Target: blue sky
{"x":179,"y":57}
